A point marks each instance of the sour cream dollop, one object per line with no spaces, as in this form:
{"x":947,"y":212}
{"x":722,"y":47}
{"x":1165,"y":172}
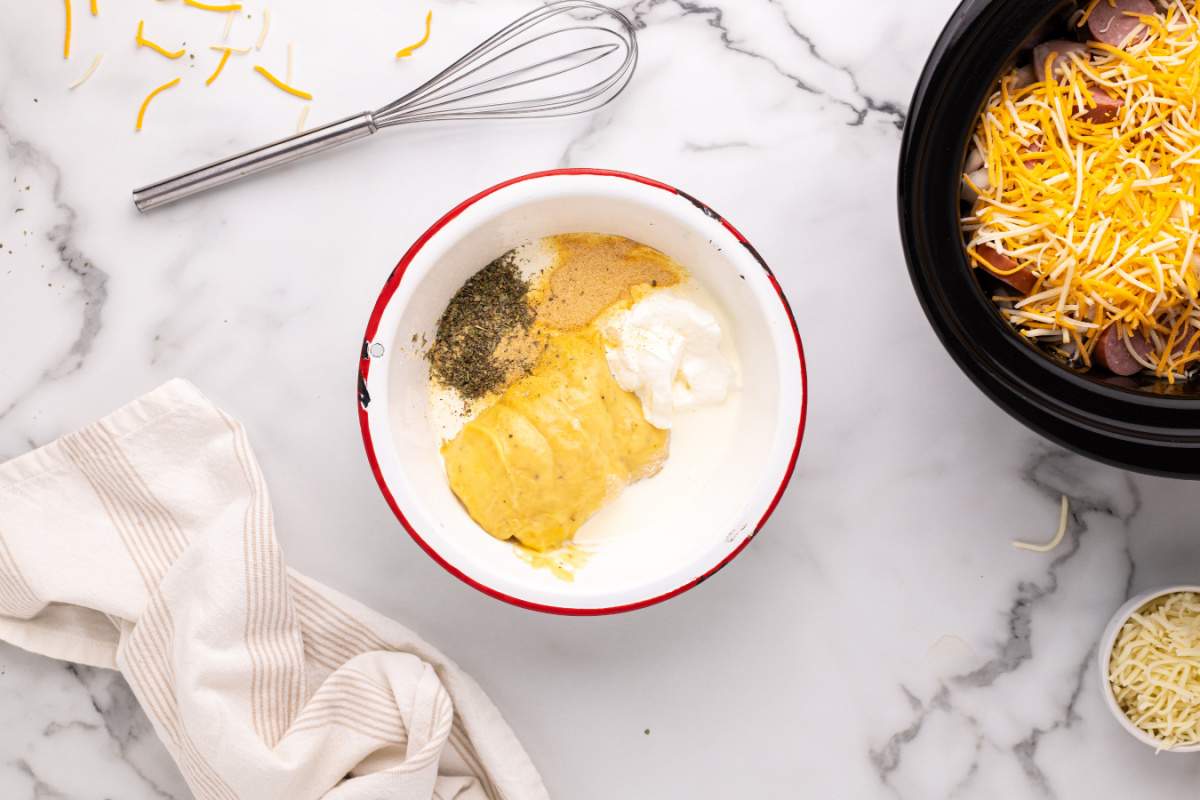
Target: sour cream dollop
{"x":667,"y":351}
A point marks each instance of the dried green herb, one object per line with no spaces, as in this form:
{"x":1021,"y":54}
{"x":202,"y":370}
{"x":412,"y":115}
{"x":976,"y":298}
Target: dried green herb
{"x":490,"y":308}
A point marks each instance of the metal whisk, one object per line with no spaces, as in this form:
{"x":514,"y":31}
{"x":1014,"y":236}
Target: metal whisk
{"x":566,"y":57}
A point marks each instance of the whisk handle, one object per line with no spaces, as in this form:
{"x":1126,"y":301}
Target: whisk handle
{"x":275,"y":154}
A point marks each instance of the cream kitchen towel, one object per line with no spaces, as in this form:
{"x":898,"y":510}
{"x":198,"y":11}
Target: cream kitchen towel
{"x":145,"y":543}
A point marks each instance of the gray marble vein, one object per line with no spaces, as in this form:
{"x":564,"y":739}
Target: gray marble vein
{"x":82,"y":735}
{"x":886,"y":759}
{"x":1050,"y":473}
{"x":715,"y":16}
{"x":123,"y":719}
{"x":869,"y":104}
{"x":91,"y":281}
{"x":1026,"y":749}
{"x":39,"y":788}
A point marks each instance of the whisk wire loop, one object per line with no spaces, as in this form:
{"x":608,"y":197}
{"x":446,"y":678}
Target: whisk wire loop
{"x":565,"y":57}
{"x":442,"y":97}
{"x":498,"y":82}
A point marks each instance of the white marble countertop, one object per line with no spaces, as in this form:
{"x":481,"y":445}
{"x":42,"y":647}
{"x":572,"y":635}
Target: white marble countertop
{"x":881,"y":638}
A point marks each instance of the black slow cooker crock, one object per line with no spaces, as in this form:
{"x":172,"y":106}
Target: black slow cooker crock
{"x":1140,"y":423}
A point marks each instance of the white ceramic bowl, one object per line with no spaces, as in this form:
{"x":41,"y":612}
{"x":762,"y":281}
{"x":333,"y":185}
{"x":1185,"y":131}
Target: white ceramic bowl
{"x":1105,"y":654}
{"x":678,"y":527}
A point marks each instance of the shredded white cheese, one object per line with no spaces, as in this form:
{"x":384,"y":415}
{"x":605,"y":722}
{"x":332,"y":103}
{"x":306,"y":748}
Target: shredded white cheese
{"x":266,"y":26}
{"x":1154,"y":670}
{"x":1058,"y":537}
{"x":228,"y":25}
{"x":90,"y":71}
{"x":300,"y":123}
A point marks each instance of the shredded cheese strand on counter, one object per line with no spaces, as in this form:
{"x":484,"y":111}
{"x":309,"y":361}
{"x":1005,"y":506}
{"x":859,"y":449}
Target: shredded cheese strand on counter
{"x":142,"y":41}
{"x":94,"y":8}
{"x":1154,"y":669}
{"x":1104,"y":214}
{"x":146,"y":103}
{"x":211,"y":7}
{"x":220,"y":66}
{"x":281,"y":85}
{"x":289,"y":75}
{"x":67,"y":31}
{"x":303,"y":120}
{"x":229,"y":18}
{"x":266,"y":26}
{"x":90,"y":71}
{"x":1058,"y":537}
{"x":405,"y":52}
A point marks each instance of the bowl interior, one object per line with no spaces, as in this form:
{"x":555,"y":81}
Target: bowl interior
{"x":725,"y":468}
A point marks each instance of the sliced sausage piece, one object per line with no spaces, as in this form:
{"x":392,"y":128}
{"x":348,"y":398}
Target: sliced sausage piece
{"x":1107,"y":107}
{"x":1061,"y":50}
{"x":1111,"y":353}
{"x":1023,"y":280}
{"x":1034,"y":147}
{"x":1112,"y":23}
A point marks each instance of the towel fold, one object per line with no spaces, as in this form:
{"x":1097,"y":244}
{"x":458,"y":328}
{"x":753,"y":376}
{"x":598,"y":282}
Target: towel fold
{"x":145,"y":543}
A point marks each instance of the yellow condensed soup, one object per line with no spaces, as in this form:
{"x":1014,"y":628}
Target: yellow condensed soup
{"x":561,"y":441}
{"x":554,"y":448}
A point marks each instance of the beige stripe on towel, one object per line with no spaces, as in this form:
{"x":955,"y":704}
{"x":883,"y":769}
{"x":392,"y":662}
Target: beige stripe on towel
{"x":17,"y":598}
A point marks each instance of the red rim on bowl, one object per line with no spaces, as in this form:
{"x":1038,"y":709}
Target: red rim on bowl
{"x":381,"y":304}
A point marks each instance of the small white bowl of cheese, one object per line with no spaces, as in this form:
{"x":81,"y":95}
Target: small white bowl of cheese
{"x":1146,"y":659}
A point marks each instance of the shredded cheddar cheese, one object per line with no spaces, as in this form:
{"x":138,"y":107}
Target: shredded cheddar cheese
{"x":146,"y":103}
{"x":142,"y":41}
{"x":405,"y":52}
{"x":220,"y":66}
{"x":1154,"y":669}
{"x":211,"y":7}
{"x":67,"y":31}
{"x":1100,"y":208}
{"x":95,"y":8}
{"x":281,"y":85}
{"x":90,"y":71}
